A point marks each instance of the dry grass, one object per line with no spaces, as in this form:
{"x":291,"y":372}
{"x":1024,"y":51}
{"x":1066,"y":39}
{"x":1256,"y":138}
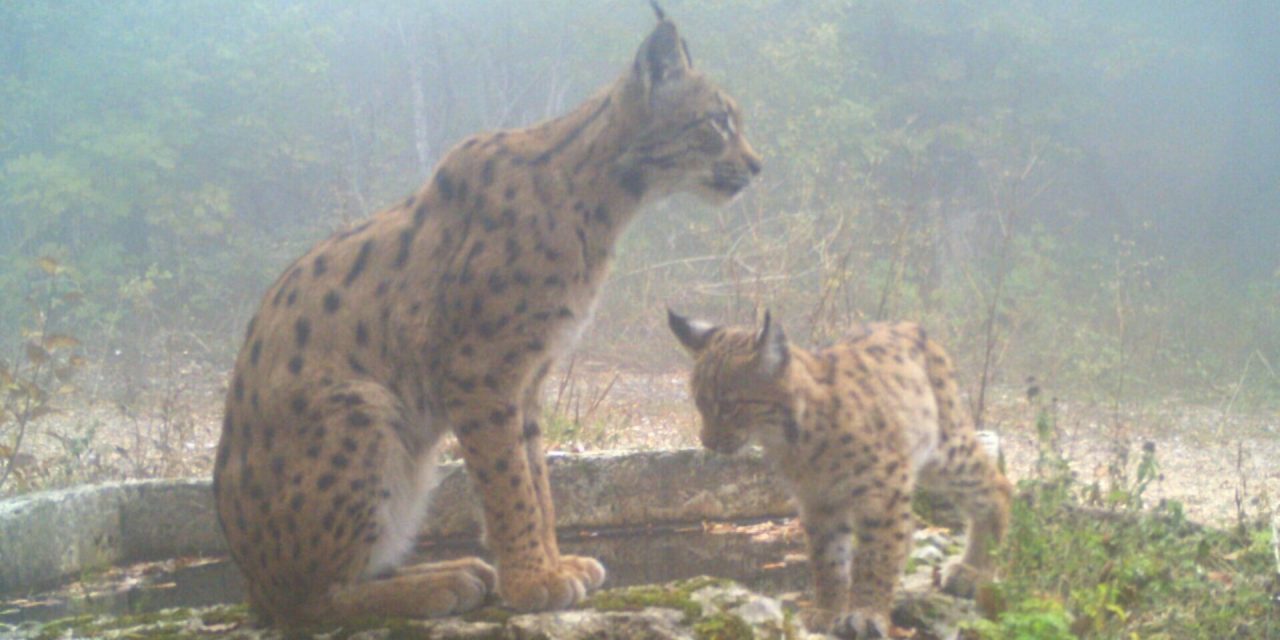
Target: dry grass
{"x":1214,"y":461}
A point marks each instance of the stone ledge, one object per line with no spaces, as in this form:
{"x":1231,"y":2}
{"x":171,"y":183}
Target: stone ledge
{"x":47,"y":537}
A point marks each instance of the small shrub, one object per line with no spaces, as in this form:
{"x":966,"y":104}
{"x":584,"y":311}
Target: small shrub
{"x":42,"y":370}
{"x":1124,"y":572}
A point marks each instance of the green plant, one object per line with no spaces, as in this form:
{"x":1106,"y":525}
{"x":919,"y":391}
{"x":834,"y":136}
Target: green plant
{"x":1033,"y":619}
{"x":1125,"y":571}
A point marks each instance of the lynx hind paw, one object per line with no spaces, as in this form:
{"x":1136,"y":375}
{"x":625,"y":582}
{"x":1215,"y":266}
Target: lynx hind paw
{"x":860,"y":625}
{"x":962,"y":581}
{"x":817,"y":620}
{"x":472,"y":567}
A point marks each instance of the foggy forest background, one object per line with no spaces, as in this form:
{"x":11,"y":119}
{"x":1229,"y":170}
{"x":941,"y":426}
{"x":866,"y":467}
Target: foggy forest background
{"x":1084,"y":192}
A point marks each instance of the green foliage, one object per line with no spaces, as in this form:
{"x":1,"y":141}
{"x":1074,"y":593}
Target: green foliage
{"x":1072,"y":570}
{"x":1032,"y":619}
{"x":199,"y":146}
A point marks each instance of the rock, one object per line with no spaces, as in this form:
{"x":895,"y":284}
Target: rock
{"x":698,"y":608}
{"x":50,"y":536}
{"x":687,"y":609}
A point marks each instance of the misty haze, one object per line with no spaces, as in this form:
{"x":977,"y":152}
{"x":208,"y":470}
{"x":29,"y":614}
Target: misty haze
{"x":1080,"y":200}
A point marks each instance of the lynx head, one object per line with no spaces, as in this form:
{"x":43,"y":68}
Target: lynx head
{"x":687,"y":131}
{"x":738,"y":381}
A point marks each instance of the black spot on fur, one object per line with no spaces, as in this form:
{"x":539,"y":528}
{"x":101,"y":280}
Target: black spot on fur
{"x":818,"y":451}
{"x":224,"y":454}
{"x":302,"y":331}
{"x":568,"y":139}
{"x":359,"y":419}
{"x":362,"y":334}
{"x":332,"y":301}
{"x":444,"y":184}
{"x":499,"y":417}
{"x":513,"y":250}
{"x":790,"y":430}
{"x":325,"y":481}
{"x":255,"y":352}
{"x":632,"y":181}
{"x":531,"y":429}
{"x":406,"y":241}
{"x":486,"y":174}
{"x":295,"y":365}
{"x":357,"y":267}
{"x":354,"y":230}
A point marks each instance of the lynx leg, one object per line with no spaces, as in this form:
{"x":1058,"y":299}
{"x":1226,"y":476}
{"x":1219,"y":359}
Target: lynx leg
{"x":340,"y":504}
{"x":530,"y":575}
{"x":421,"y":593}
{"x":830,"y":539}
{"x":535,"y":452}
{"x":983,"y":495}
{"x":883,"y":525}
{"x":963,"y":473}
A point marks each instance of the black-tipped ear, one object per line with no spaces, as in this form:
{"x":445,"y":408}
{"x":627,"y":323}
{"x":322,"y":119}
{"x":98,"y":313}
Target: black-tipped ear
{"x":693,"y":334}
{"x":661,"y":59}
{"x":657,"y":10}
{"x":772,"y":352}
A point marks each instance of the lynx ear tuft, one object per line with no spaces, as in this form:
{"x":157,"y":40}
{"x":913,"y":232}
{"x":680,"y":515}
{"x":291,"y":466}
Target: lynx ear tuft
{"x":657,"y":10}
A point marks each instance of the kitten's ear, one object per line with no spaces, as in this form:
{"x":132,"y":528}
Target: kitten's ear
{"x":772,"y":353}
{"x":693,"y":334}
{"x":661,"y":60}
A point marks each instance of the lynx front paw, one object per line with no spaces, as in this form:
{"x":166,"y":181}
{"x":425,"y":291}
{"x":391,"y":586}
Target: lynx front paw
{"x":588,"y":570}
{"x":557,"y":589}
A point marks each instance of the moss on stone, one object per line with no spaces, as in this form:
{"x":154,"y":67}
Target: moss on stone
{"x":723,"y":626}
{"x":59,"y":628}
{"x":226,"y":614}
{"x":676,"y":595}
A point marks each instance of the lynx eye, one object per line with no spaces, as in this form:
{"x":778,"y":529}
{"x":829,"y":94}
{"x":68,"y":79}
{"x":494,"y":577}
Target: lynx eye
{"x":722,"y":123}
